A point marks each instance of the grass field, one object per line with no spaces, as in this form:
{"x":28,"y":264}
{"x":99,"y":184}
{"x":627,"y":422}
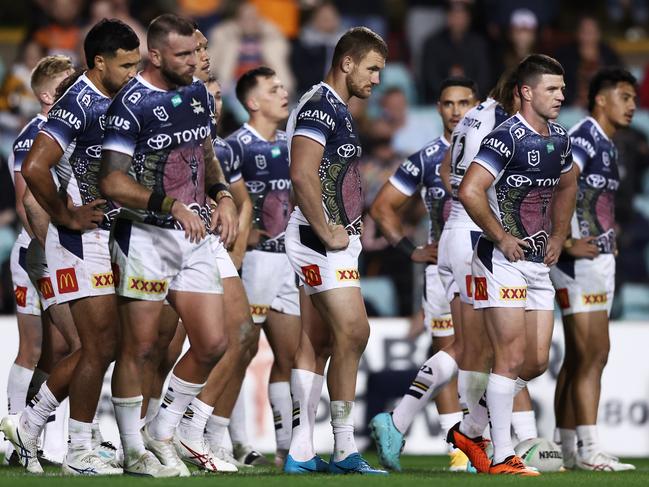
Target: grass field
{"x":418,"y":471}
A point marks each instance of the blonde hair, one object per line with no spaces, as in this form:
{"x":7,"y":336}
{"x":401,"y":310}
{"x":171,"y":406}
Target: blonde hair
{"x":46,"y":68}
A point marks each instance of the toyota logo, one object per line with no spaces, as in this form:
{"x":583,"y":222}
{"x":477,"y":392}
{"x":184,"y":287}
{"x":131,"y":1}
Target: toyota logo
{"x":347,"y":150}
{"x":436,"y":193}
{"x":518,"y":180}
{"x":159,"y":141}
{"x":255,"y":186}
{"x":596,"y":181}
{"x":94,"y":151}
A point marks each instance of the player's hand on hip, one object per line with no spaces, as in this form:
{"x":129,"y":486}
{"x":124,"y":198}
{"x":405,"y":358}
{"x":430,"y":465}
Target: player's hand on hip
{"x":190,"y":221}
{"x":553,"y":250}
{"x":84,"y":217}
{"x":584,"y":248}
{"x":512,"y":248}
{"x":426,"y":254}
{"x":225,"y":221}
{"x":337,"y":239}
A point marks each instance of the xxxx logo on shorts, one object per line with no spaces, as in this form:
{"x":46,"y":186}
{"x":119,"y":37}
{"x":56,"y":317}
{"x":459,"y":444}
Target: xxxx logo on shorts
{"x":45,"y":287}
{"x":594,"y":298}
{"x":347,"y":275}
{"x":312,"y":275}
{"x":481,"y":289}
{"x":513,"y":293}
{"x":563,"y":298}
{"x":469,"y":281}
{"x":146,"y":286}
{"x":101,"y":281}
{"x":21,"y":296}
{"x":115,"y":268}
{"x":66,"y":280}
{"x":258,"y":310}
{"x":438,"y":324}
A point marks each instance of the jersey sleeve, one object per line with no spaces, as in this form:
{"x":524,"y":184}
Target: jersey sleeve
{"x":236,"y":153}
{"x":316,"y":119}
{"x":122,"y":126}
{"x":65,"y":121}
{"x":19,"y":153}
{"x":568,"y":157}
{"x":496,"y":150}
{"x":583,"y":148}
{"x":211,"y":103}
{"x":409,"y":175}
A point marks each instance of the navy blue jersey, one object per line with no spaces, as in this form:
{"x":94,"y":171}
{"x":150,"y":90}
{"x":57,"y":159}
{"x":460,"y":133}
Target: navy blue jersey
{"x":76,"y":122}
{"x":526,"y":167}
{"x":596,"y":156}
{"x":421,"y":170}
{"x":321,"y":115}
{"x":264,"y":167}
{"x":24,"y":142}
{"x":231,"y":168}
{"x":164,"y":131}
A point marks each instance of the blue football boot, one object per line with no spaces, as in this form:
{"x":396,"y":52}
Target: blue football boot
{"x":388,"y":439}
{"x":354,"y":463}
{"x":315,"y":465}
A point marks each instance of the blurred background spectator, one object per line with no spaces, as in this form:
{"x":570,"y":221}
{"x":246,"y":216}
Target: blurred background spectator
{"x":428,"y":40}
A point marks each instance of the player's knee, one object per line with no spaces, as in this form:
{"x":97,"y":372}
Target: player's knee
{"x":209,"y":351}
{"x":598,"y":358}
{"x":353,"y":338}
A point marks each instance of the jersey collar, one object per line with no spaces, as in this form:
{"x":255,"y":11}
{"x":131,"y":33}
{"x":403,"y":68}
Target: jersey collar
{"x":598,"y":127}
{"x":522,"y":119}
{"x":147,"y":84}
{"x":87,"y":81}
{"x":254,"y":132}
{"x":322,"y":83}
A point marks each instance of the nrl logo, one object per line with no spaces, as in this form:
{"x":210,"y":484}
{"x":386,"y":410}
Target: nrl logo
{"x":160,"y":113}
{"x":197,"y":106}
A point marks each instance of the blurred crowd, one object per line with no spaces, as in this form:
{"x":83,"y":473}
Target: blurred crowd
{"x":428,"y":41}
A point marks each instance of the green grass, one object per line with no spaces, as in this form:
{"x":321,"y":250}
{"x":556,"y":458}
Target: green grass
{"x":424,"y":471}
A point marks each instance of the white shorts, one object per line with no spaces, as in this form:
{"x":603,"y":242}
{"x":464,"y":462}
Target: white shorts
{"x":499,"y":283}
{"x":223,"y":260}
{"x":584,"y":285}
{"x":39,"y":274}
{"x":79,"y":262}
{"x":150,"y":261}
{"x":454,"y":256}
{"x":27,"y":301}
{"x":437,"y":310}
{"x":269,"y":281}
{"x":320,"y":269}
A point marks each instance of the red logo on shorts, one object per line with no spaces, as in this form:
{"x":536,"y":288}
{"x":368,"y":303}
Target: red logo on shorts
{"x":312,"y":275}
{"x":563,"y":299}
{"x":469,"y":288}
{"x":481,"y":289}
{"x":45,"y":287}
{"x":66,"y":279}
{"x":115,"y":268}
{"x":21,"y":296}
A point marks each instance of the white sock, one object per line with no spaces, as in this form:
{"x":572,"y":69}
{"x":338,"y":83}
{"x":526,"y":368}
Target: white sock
{"x":55,"y":438}
{"x":34,"y":416}
{"x":216,"y":429}
{"x":178,"y":396}
{"x":306,"y":388}
{"x":238,"y":428}
{"x":436,"y":372}
{"x":97,"y":437}
{"x":152,"y":409}
{"x":80,"y":435}
{"x":342,"y":422}
{"x":192,"y":425}
{"x":587,"y":440}
{"x":471,"y":387}
{"x":446,"y":422}
{"x":524,"y":424}
{"x":17,"y":386}
{"x":500,"y":401}
{"x":567,"y":441}
{"x":279,"y":395}
{"x":127,"y":415}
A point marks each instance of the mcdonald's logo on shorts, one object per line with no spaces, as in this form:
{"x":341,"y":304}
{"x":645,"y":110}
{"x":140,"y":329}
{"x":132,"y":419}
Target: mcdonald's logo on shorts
{"x":102,"y":281}
{"x":513,"y":293}
{"x":347,"y":275}
{"x":45,"y":287}
{"x":115,"y":269}
{"x":312,"y":275}
{"x":469,"y":281}
{"x":563,"y":298}
{"x":481,"y":289}
{"x":66,"y":280}
{"x":21,"y":296}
